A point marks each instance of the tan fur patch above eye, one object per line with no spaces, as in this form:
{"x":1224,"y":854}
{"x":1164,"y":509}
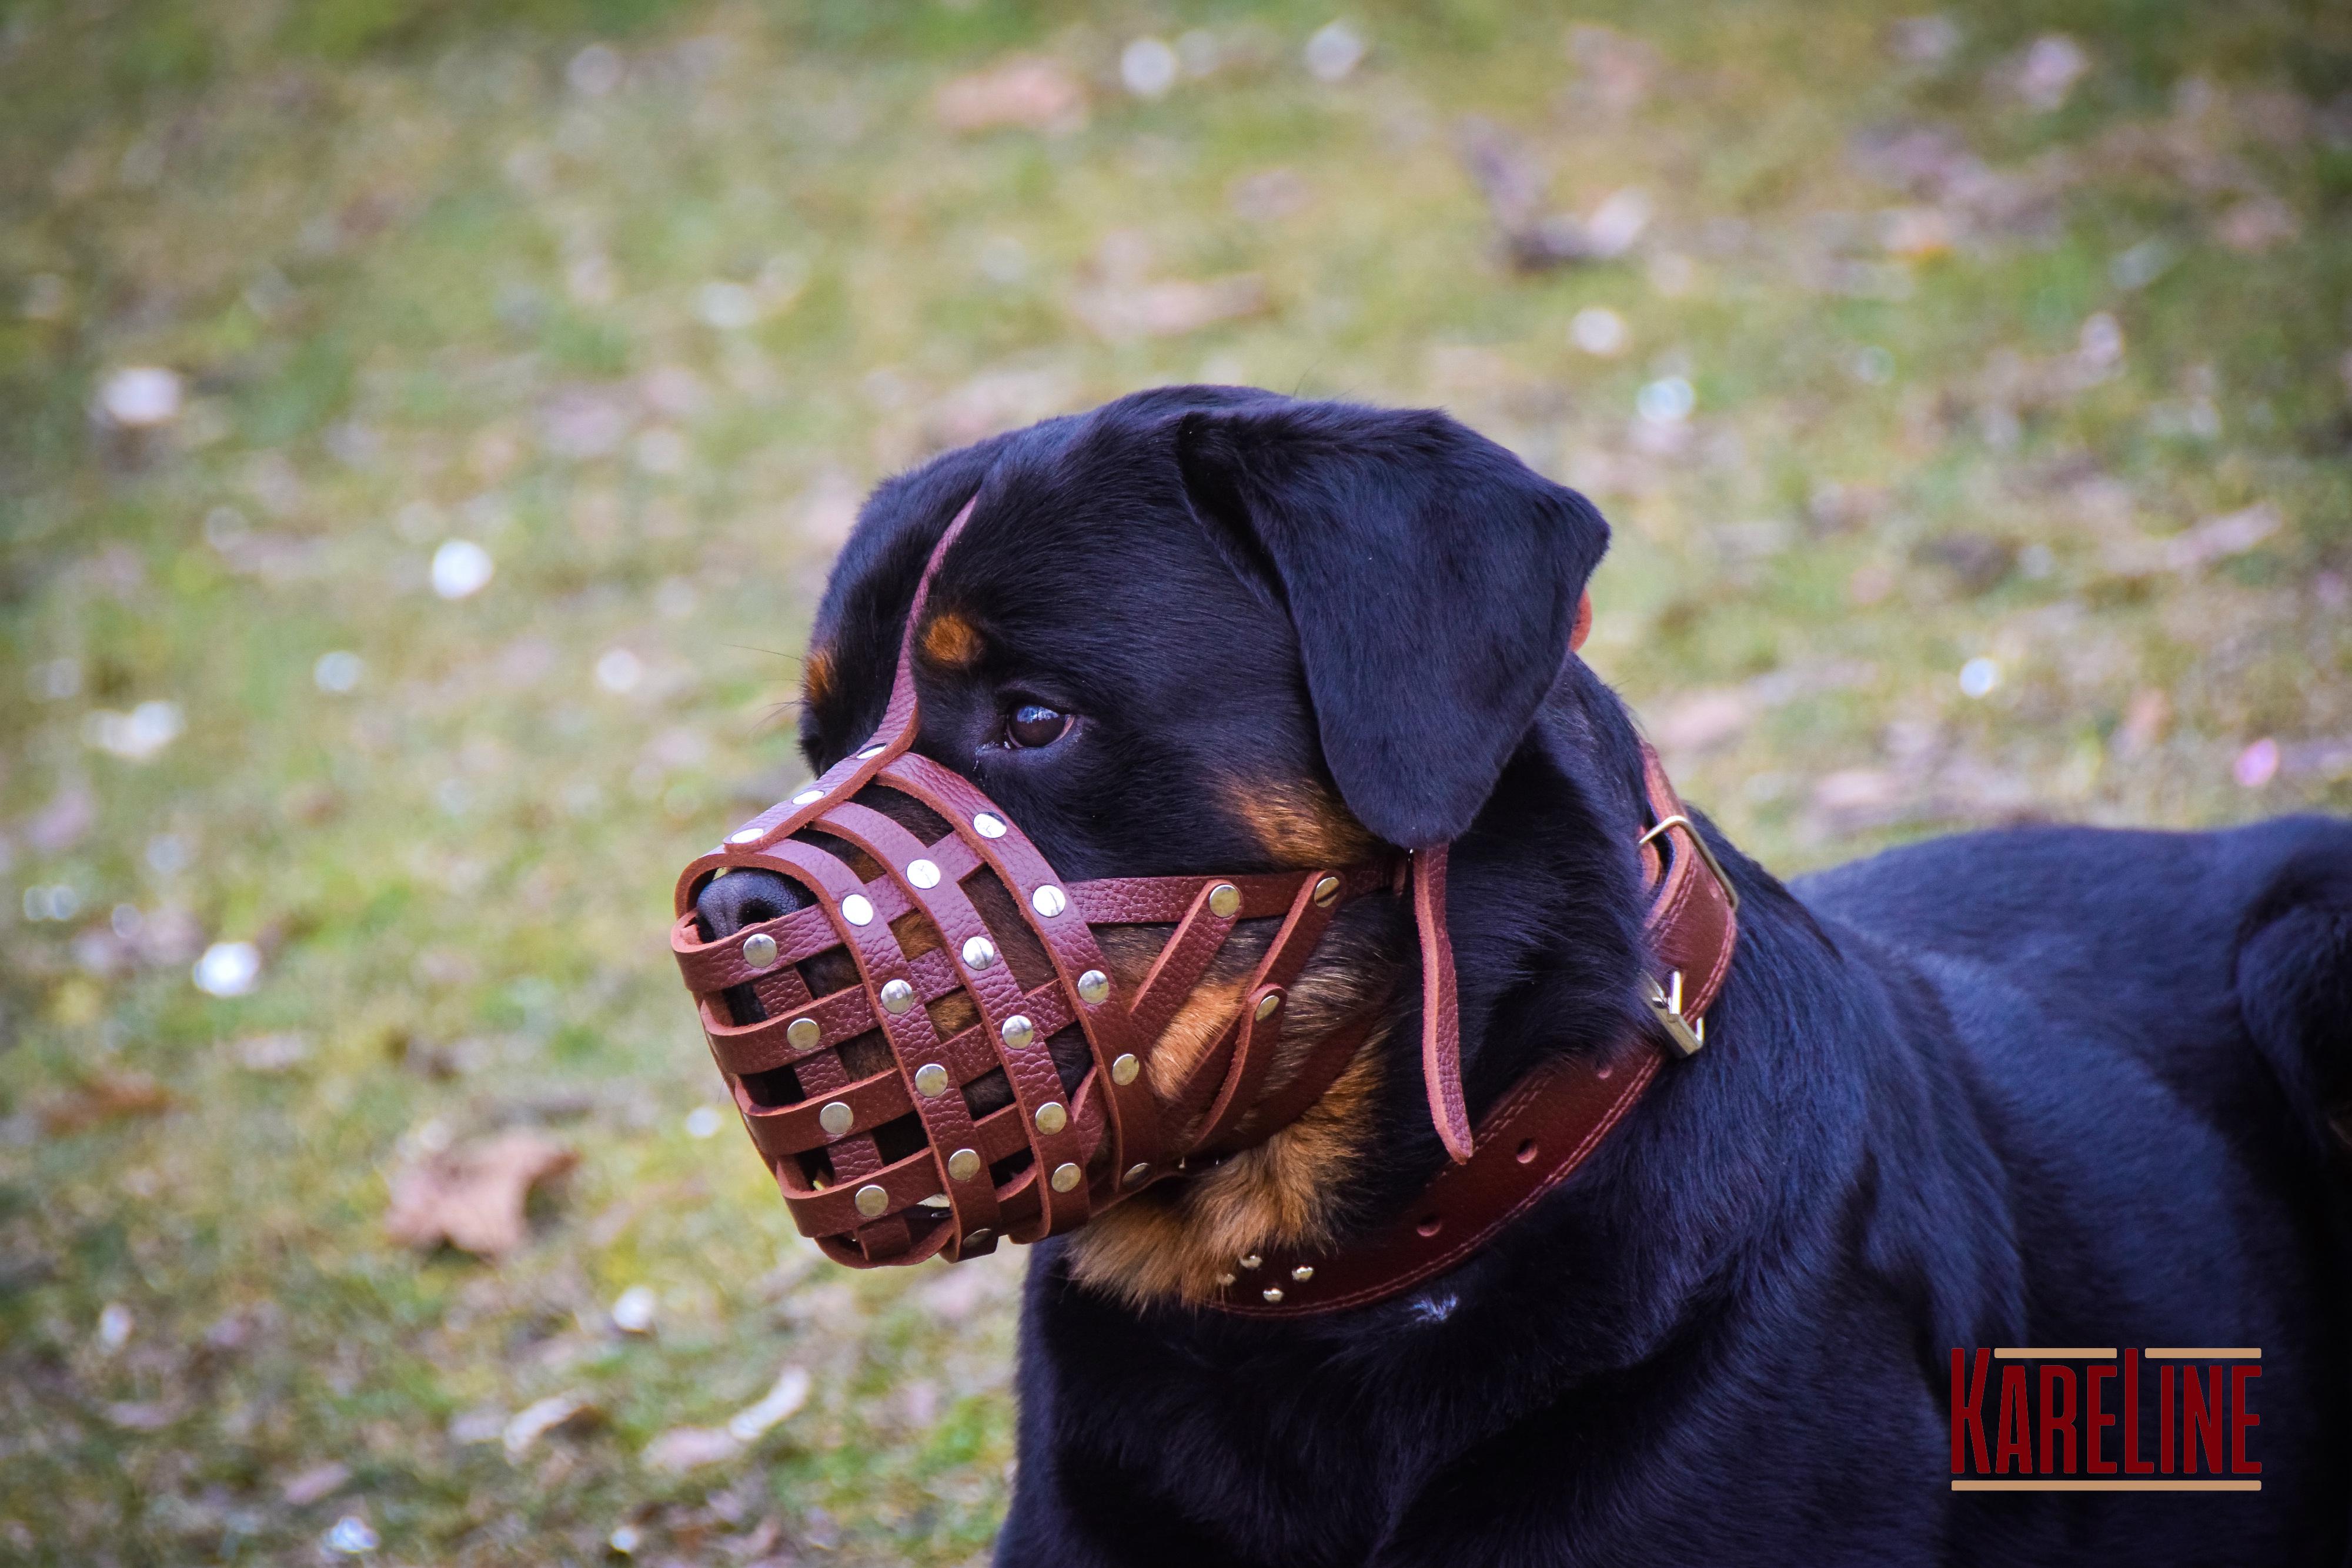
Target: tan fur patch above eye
{"x":817,"y":677}
{"x":1299,"y":823}
{"x":952,"y":640}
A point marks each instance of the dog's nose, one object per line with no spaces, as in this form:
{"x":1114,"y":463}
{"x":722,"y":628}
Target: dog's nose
{"x":745,"y":896}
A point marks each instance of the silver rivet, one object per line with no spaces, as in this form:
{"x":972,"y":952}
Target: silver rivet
{"x":747,"y":835}
{"x":964,"y":1163}
{"x":1273,"y":1294}
{"x":872,"y":1200}
{"x":988,"y":825}
{"x":836,"y":1117}
{"x":1136,"y":1175}
{"x":802,"y":1034}
{"x":1093,"y":987}
{"x":1326,"y":891}
{"x":869,"y":754}
{"x":1267,"y":1005}
{"x":896,"y":997}
{"x":857,"y":909}
{"x":923,"y":873}
{"x":979,"y":952}
{"x":1052,"y":1117}
{"x":1224,"y":899}
{"x":1049,"y":901}
{"x":808,"y":797}
{"x":979,"y":1237}
{"x":1018,"y":1031}
{"x":930,"y":1080}
{"x":1303,"y":1273}
{"x":1250,"y":1260}
{"x":759,"y":950}
{"x":1124,"y":1068}
{"x":1225,"y":1278}
{"x":1067,"y":1176}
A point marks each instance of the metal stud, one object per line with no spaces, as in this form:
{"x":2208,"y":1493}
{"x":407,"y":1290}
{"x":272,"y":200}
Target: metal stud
{"x":1136,"y":1175}
{"x":923,"y":873}
{"x":802,"y":1034}
{"x":930,"y":1080}
{"x":809,"y":797}
{"x":896,"y":997}
{"x":1268,"y":1004}
{"x":1093,"y":987}
{"x":979,"y":952}
{"x":1052,"y":1117}
{"x":869,"y":754}
{"x":747,"y":835}
{"x":1018,"y":1031}
{"x":1049,"y":901}
{"x":964,"y":1163}
{"x":1224,"y":899}
{"x":857,"y":909}
{"x":979,"y":1237}
{"x":1250,"y":1260}
{"x":759,"y":950}
{"x":872,"y":1200}
{"x":1225,"y":1278}
{"x":1303,"y":1273}
{"x":1326,"y":891}
{"x":1067,"y":1176}
{"x":1273,"y":1294}
{"x":836,"y":1118}
{"x":1124,"y":1068}
{"x":988,"y":825}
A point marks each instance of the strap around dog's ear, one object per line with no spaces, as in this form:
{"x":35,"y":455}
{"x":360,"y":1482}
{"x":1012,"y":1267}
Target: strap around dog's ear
{"x":1432,"y":578}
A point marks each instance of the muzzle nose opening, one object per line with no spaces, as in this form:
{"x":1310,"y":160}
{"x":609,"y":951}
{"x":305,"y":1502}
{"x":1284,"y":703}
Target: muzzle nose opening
{"x":737,"y":899}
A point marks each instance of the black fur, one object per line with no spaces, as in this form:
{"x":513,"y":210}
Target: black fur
{"x":2040,"y":1087}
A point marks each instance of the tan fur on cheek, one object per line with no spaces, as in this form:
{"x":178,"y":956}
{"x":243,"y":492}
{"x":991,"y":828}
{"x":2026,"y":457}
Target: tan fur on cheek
{"x":1298,"y":822}
{"x":1279,"y":1194}
{"x":1190,"y":1034}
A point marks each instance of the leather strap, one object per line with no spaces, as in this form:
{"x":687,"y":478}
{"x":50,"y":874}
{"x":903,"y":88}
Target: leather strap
{"x":1538,"y":1135}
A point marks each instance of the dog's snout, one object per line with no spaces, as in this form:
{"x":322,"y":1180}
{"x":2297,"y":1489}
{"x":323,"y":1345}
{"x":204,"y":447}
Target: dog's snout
{"x":745,"y":896}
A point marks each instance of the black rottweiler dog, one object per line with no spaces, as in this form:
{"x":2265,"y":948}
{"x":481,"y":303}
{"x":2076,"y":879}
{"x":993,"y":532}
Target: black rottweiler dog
{"x":2040,"y":1088}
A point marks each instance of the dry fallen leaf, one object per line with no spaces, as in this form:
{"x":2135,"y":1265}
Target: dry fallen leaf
{"x":472,"y":1196}
{"x":108,"y":1097}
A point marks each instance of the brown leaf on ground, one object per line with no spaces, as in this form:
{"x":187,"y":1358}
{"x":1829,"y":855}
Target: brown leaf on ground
{"x":472,"y":1196}
{"x":1029,"y":91}
{"x":108,"y":1097}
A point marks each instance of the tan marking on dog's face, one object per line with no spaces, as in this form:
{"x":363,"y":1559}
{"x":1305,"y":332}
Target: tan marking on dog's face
{"x":1299,"y":823}
{"x":1178,"y":1240}
{"x":817,"y":677}
{"x":1191,"y":1033}
{"x":951,"y":641}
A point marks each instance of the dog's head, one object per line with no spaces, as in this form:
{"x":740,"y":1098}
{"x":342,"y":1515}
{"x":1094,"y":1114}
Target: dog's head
{"x":1211,"y":629}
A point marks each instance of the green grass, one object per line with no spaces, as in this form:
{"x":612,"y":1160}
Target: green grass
{"x":419,"y":288}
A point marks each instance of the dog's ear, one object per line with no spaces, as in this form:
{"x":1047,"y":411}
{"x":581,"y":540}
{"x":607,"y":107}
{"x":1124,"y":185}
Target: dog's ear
{"x":1433,"y":579}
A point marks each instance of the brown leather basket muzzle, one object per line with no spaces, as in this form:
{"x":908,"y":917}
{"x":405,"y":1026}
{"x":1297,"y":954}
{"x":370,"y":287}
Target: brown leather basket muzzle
{"x":882,"y":1107}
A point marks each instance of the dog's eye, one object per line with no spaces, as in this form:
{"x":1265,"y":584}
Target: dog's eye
{"x":1033,"y":725}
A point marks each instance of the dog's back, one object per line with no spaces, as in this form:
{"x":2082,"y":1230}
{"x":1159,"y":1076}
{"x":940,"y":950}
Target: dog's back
{"x":2158,"y":1031}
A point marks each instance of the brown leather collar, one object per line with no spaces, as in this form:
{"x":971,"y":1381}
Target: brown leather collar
{"x":1552,"y":1120}
{"x":893,"y":1160}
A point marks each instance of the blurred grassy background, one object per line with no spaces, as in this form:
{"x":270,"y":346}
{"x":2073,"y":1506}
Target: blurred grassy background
{"x":1969,"y":392}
